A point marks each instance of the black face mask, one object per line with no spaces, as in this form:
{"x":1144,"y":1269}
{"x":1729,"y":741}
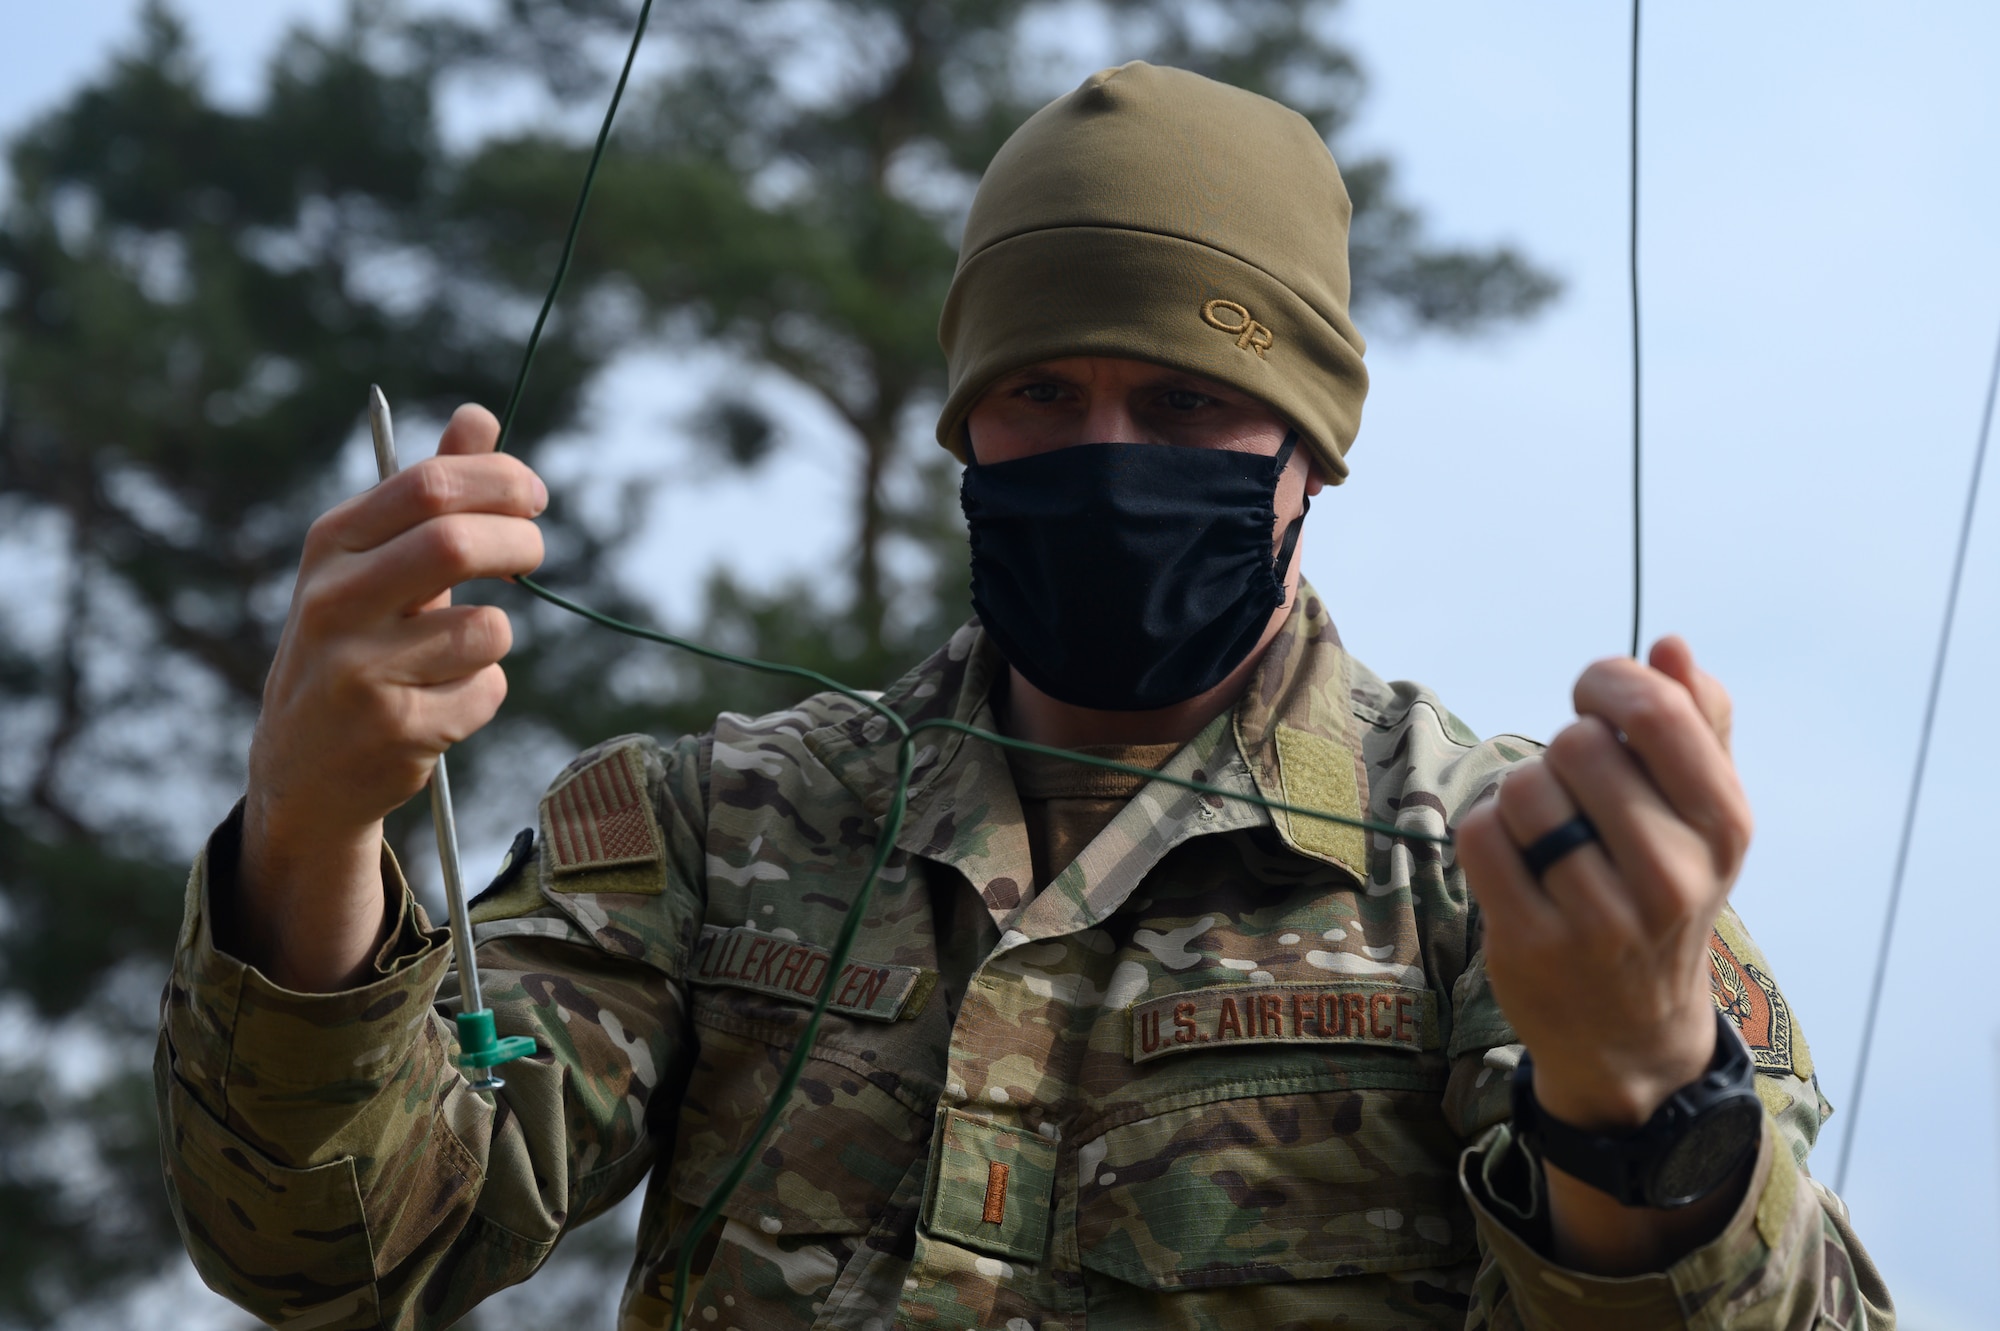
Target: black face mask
{"x":1125,"y":577}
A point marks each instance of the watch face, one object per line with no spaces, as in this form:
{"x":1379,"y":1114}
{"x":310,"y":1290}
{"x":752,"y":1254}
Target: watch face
{"x":1708,"y":1152}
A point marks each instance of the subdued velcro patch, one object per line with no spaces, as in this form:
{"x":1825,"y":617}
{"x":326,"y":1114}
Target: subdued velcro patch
{"x":1317,"y":773}
{"x":599,"y":817}
{"x":1218,"y":1015}
{"x":1772,"y":1092}
{"x":743,"y":958}
{"x":1774,"y":1208}
{"x":1745,"y":993}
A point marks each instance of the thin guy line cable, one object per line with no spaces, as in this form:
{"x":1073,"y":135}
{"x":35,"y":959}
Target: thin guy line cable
{"x":1917,"y":777}
{"x":1632,"y":264}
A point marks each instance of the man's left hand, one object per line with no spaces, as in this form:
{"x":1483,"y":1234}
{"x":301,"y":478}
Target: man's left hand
{"x":1601,"y":965}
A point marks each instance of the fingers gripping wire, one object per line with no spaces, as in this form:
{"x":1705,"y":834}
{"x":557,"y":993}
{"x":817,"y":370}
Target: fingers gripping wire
{"x":905,"y":732}
{"x":480,"y":1048}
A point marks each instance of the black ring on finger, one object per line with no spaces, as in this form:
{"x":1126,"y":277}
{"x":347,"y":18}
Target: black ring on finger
{"x":1542,"y":853}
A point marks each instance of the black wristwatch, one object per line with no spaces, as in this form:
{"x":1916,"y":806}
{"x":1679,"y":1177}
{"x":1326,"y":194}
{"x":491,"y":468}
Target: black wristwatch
{"x":1690,"y":1146}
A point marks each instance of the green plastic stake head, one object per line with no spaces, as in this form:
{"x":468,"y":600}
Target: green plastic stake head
{"x":479,"y":1049}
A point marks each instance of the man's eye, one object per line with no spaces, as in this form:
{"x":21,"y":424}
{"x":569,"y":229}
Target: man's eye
{"x":1185,"y":399}
{"x":1041,"y":393}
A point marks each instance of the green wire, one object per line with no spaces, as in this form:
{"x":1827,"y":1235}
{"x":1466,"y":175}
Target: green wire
{"x":1199,"y":787}
{"x":617,"y":625}
{"x":946,"y":723}
{"x":575,"y":226}
{"x":892,"y":822}
{"x":892,"y":826}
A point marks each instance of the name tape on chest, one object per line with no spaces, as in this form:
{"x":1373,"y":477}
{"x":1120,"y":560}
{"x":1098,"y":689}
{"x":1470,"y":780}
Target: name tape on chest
{"x":743,"y":958}
{"x":1389,"y":1015}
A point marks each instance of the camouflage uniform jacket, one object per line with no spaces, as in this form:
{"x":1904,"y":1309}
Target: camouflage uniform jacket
{"x":1228,"y":1069}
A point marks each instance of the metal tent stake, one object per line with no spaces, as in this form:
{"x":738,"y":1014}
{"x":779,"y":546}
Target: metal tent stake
{"x":480,"y":1050}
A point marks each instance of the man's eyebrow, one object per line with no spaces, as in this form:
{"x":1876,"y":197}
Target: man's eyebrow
{"x":1036,"y":373}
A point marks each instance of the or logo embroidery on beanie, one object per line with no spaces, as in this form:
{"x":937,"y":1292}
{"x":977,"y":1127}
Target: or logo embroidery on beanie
{"x":1229,"y":317}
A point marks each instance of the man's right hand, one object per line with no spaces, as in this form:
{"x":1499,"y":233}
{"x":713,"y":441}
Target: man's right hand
{"x":377,"y":673}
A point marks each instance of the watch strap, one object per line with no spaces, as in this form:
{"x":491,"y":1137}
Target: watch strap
{"x":1629,"y":1166}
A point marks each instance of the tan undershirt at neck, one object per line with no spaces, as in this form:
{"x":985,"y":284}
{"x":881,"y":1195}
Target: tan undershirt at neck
{"x":1067,"y":804}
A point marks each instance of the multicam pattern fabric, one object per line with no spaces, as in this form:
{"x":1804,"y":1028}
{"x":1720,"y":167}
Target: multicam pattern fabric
{"x":1003,"y":1155}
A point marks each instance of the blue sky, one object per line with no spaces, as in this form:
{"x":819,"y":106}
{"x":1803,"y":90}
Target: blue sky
{"x":1822,"y":296}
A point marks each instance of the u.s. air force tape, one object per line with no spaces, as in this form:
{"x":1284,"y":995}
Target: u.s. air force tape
{"x":1391,"y":1015}
{"x":744,"y":958}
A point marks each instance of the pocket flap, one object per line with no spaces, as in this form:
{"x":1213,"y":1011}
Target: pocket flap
{"x":281,"y":1242}
{"x":990,"y":1186}
{"x":834,"y":1158}
{"x":1276,"y":1187}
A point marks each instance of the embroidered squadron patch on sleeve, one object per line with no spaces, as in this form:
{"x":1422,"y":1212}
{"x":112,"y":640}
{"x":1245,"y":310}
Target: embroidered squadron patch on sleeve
{"x":600,"y":817}
{"x":1745,"y":993}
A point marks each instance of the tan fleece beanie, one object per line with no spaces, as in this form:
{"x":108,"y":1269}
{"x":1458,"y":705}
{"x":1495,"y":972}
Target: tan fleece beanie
{"x":1159,"y":215}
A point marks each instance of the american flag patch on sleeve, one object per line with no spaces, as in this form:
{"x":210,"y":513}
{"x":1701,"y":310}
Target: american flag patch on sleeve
{"x":599,"y":816}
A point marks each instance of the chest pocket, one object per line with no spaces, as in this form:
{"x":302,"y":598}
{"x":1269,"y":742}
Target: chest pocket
{"x":1273,"y":1188}
{"x":855,"y":1122}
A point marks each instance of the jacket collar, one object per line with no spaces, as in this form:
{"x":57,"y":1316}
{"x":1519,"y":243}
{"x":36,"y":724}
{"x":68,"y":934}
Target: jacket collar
{"x":1295,"y":726}
{"x":1291,"y":737}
